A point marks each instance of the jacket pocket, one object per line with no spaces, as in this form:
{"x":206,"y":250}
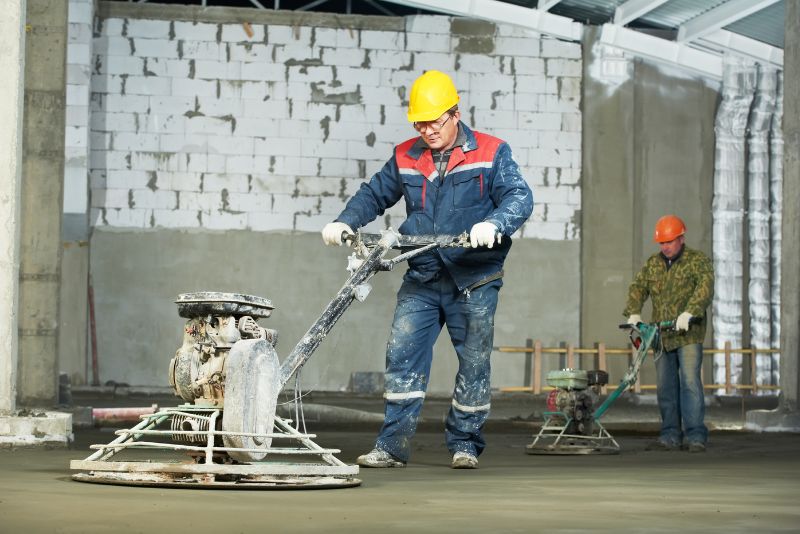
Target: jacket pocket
{"x":414,"y":190}
{"x":468,"y":190}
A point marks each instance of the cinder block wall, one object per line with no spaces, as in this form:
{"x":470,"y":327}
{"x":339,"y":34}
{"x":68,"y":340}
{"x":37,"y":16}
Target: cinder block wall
{"x":228,"y":125}
{"x":222,"y":140}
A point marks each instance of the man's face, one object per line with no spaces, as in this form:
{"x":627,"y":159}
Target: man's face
{"x":440,"y":134}
{"x":670,"y":249}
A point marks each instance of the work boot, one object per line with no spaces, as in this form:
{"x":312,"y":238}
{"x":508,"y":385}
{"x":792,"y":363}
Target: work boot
{"x":379,"y":458}
{"x":696,"y":446}
{"x":659,"y":445}
{"x":464,"y":460}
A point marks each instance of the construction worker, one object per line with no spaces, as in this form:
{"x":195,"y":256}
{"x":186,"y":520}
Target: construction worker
{"x":680,"y":283}
{"x":453,"y":180}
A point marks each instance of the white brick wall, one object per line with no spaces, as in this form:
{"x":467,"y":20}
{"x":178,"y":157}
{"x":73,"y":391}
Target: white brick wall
{"x":76,"y":143}
{"x":198,"y":125}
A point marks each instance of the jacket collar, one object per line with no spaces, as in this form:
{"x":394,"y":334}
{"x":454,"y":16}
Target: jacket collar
{"x":669,"y":262}
{"x":465,"y":139}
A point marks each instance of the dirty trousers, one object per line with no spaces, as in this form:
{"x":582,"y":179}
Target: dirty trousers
{"x":422,"y":310}
{"x":681,"y":400}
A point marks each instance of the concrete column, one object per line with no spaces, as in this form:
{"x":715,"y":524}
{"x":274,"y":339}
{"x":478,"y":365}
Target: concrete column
{"x":52,"y":428}
{"x":41,"y":208}
{"x":12,"y":65}
{"x":640,"y":161}
{"x":787,"y":416}
{"x":608,"y":223}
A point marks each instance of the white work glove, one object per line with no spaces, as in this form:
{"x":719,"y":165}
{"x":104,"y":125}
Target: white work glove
{"x":484,"y":234}
{"x":332,"y":233}
{"x":682,"y":323}
{"x":634,"y":319}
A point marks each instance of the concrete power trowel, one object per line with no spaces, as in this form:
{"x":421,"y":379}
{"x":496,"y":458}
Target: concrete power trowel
{"x":571,"y":423}
{"x":229,"y":374}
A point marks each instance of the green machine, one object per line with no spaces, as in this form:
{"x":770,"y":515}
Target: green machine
{"x":572,"y":419}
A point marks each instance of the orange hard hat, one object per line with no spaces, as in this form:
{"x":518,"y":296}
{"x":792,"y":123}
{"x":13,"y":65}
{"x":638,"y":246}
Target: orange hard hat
{"x":668,"y":227}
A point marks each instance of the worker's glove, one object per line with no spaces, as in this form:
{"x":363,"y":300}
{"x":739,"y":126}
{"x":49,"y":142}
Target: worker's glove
{"x":634,"y":319}
{"x":332,"y":233}
{"x":484,"y":234}
{"x":682,"y":323}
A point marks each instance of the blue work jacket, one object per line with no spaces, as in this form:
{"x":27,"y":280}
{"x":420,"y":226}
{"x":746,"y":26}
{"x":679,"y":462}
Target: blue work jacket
{"x":482,"y":183}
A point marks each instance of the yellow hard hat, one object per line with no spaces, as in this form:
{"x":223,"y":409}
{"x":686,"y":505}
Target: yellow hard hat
{"x":432,"y":94}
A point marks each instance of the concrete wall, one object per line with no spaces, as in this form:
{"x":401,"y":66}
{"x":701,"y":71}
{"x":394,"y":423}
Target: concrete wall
{"x":137,"y":276}
{"x":648,"y":151}
{"x":219,"y":149}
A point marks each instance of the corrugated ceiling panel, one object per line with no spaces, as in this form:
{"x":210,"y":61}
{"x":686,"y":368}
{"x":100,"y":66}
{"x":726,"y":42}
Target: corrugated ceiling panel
{"x":675,"y":12}
{"x":591,"y":11}
{"x":765,"y":26}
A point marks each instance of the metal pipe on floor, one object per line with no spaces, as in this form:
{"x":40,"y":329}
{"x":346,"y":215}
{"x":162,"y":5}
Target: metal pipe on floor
{"x":113,"y":416}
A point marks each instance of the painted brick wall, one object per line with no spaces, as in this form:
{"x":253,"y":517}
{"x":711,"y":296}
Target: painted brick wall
{"x":79,"y":75}
{"x":272,"y":127}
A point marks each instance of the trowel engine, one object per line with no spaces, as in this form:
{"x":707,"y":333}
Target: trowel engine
{"x":226,"y":356}
{"x":574,"y":398}
{"x":197,"y":372}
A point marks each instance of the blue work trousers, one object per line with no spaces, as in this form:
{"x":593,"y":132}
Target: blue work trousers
{"x":422,"y":310}
{"x":680,"y":395}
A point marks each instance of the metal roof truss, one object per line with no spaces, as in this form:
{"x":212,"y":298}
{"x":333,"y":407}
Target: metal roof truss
{"x":700,"y":46}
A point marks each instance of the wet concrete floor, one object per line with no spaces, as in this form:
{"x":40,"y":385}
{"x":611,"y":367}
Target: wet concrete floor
{"x":743,"y":483}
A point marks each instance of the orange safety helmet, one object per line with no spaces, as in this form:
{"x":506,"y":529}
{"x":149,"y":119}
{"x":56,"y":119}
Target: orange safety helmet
{"x":669,"y":227}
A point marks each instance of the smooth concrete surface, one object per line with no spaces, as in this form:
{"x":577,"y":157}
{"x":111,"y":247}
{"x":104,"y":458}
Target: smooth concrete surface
{"x":74,"y":349}
{"x":12,"y":64}
{"x":648,"y":150}
{"x":138,"y":275}
{"x":36,"y":428}
{"x":790,"y":252}
{"x":41,"y":204}
{"x":743,"y":483}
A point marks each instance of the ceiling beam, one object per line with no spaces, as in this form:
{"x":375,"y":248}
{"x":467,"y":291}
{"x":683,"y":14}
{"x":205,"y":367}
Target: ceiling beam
{"x":661,"y":50}
{"x":501,"y":12}
{"x":719,"y":17}
{"x":733,"y":42}
{"x":633,"y":9}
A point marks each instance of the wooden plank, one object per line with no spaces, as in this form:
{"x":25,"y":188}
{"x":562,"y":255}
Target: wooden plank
{"x":528,"y":363}
{"x":570,"y":356}
{"x":727,"y":367}
{"x":537,"y":367}
{"x":602,"y":364}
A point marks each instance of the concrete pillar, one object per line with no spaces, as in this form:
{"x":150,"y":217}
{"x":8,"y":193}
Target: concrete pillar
{"x":12,"y":65}
{"x":41,"y":208}
{"x":52,"y":428}
{"x":787,"y":416}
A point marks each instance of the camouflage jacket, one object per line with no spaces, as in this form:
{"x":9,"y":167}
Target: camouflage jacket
{"x":686,"y":287}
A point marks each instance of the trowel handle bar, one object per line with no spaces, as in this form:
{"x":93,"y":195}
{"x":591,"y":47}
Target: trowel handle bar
{"x":416,"y":241}
{"x":663,"y":325}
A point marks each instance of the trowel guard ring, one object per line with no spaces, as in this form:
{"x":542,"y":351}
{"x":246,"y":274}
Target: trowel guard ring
{"x":203,"y":303}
